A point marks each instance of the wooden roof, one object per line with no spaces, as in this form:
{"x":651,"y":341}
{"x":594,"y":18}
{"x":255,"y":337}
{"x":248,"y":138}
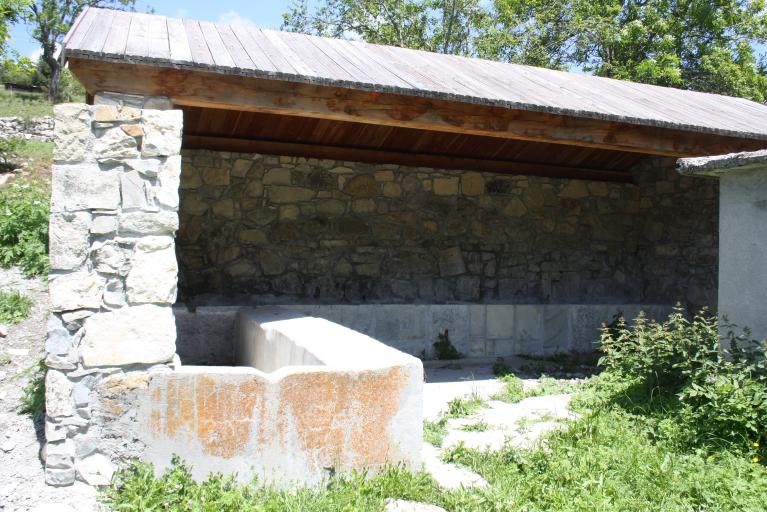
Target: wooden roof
{"x":253,"y":90}
{"x":241,"y":50}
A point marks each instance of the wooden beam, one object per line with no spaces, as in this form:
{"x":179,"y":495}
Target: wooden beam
{"x":192,"y":141}
{"x":214,"y":90}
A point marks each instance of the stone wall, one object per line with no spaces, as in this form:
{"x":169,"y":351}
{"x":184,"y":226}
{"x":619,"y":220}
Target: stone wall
{"x":276,"y":229}
{"x":113,"y":277}
{"x":40,"y":128}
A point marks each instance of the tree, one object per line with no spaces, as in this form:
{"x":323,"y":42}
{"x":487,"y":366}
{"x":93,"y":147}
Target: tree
{"x":704,"y":45}
{"x":445,"y":26}
{"x":51,"y":20}
{"x":10,"y":12}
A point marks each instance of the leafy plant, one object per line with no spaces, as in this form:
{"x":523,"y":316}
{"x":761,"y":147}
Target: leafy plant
{"x":8,"y":149}
{"x":14,"y":306}
{"x":33,"y":394}
{"x":434,"y":432}
{"x":500,"y":368}
{"x":479,"y":426}
{"x":444,"y":348}
{"x":706,"y":395}
{"x":464,"y":406}
{"x":137,"y":488}
{"x":24,"y":227}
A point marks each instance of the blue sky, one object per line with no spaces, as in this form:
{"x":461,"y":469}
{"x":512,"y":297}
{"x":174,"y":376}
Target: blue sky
{"x":267,"y":14}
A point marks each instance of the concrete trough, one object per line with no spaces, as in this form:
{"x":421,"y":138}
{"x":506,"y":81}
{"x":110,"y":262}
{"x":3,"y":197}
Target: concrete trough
{"x":308,"y":398}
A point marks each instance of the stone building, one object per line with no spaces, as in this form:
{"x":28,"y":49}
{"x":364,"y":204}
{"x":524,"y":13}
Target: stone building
{"x":396,"y":192}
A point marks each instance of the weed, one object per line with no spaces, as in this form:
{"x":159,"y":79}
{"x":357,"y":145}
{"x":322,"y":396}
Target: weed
{"x":33,"y":394}
{"x":513,"y":390}
{"x":676,"y":371}
{"x":24,"y":227}
{"x":14,"y":306}
{"x":464,"y":406}
{"x":444,"y":349}
{"x":500,"y":368}
{"x":23,"y":104}
{"x":479,"y":426}
{"x":434,"y":432}
{"x":137,"y":488}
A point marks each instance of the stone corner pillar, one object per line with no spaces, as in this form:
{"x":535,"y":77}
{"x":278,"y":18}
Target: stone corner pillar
{"x":742,"y":235}
{"x":114,"y":214}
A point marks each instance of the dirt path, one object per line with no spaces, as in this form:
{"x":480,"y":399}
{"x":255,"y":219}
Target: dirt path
{"x":22,"y":478}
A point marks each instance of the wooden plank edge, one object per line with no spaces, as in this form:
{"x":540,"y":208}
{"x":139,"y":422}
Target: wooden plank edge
{"x":375,"y":156}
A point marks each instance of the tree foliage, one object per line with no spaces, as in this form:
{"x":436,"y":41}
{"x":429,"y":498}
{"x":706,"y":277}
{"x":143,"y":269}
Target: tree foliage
{"x":704,"y":45}
{"x":10,"y":13}
{"x":50,"y":21}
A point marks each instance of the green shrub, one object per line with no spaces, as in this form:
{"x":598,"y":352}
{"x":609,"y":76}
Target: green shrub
{"x":464,"y":406}
{"x":444,"y":348}
{"x":702,"y":394}
{"x":24,"y":227}
{"x":9,"y":148}
{"x":33,"y":394}
{"x":14,"y":307}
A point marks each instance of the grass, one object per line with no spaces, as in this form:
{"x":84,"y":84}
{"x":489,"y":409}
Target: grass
{"x":32,"y":158}
{"x":33,"y":394}
{"x":479,"y":426}
{"x":14,"y":307}
{"x":514,"y":390}
{"x":606,"y":461}
{"x":464,"y":406}
{"x":26,"y":105}
{"x":434,"y":432}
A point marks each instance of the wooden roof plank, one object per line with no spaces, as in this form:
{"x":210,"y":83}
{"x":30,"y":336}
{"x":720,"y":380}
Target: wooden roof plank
{"x":255,"y":52}
{"x":216,"y":45}
{"x":159,"y":44}
{"x":290,"y":61}
{"x":80,"y":29}
{"x":138,"y":36}
{"x":197,"y":44}
{"x":117,"y":39}
{"x":374,"y":71}
{"x":324,"y":66}
{"x":97,"y":35}
{"x":177,"y":42}
{"x":233,"y":45}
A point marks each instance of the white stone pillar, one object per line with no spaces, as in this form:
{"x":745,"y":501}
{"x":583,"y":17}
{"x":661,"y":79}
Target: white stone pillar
{"x":742,"y":235}
{"x":113,"y":274}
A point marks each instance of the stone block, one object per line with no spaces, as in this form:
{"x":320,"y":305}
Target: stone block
{"x":58,"y":340}
{"x":60,"y":477}
{"x":557,"y":335}
{"x":95,"y":470}
{"x":114,"y":144}
{"x":284,"y":194}
{"x":78,"y":290}
{"x":148,"y":223}
{"x":110,"y":258}
{"x":528,"y":329}
{"x":277,"y":176}
{"x":143,"y":334}
{"x":500,"y":321}
{"x":69,"y":234}
{"x":362,"y":185}
{"x":215,"y":176}
{"x":162,"y":132}
{"x":472,"y":184}
{"x":72,"y":132}
{"x":451,"y":262}
{"x":445,"y":186}
{"x":58,"y":395}
{"x":574,"y":189}
{"x":169,"y":178}
{"x":83,"y":187}
{"x":136,"y":192}
{"x":104,"y":224}
{"x":153,"y":274}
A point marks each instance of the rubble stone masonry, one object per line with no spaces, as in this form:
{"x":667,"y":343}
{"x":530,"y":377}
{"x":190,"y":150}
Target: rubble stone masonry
{"x":113,"y":277}
{"x":279,"y":229}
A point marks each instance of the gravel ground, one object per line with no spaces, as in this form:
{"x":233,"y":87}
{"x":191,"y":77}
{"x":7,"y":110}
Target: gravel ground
{"x":22,"y":478}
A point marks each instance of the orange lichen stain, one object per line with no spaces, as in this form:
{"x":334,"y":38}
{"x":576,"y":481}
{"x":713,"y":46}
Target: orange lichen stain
{"x":342,"y":415}
{"x":227,"y":413}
